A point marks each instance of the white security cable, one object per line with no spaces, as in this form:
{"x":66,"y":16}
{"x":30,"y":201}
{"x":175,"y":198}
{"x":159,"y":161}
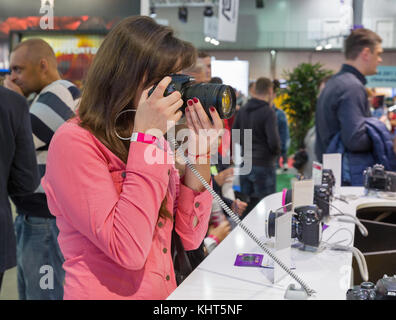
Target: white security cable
{"x":363,"y":230}
{"x":361,"y":261}
{"x":339,"y":230}
{"x":235,"y":218}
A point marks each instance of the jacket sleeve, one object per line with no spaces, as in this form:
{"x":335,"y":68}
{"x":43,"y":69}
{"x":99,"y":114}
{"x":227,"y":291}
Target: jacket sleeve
{"x":24,"y":176}
{"x":192,"y":216}
{"x":272,"y":133}
{"x":79,"y":186}
{"x":351,"y":117}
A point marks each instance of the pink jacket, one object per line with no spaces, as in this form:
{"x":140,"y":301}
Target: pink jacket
{"x":114,"y":244}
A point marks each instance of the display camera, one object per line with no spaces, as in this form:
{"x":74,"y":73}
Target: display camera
{"x":323,"y":195}
{"x":322,"y":198}
{"x":385,"y":289}
{"x":306,"y":225}
{"x":328,"y":180}
{"x":376,"y":178}
{"x":220,"y":96}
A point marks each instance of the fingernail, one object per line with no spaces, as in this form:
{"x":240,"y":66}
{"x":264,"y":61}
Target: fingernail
{"x":190,"y":102}
{"x":195,"y":100}
{"x":212,"y":109}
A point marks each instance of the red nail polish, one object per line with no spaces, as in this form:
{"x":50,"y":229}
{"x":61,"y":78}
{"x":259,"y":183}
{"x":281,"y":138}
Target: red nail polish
{"x":195,"y":100}
{"x":190,"y":102}
{"x":212,"y":109}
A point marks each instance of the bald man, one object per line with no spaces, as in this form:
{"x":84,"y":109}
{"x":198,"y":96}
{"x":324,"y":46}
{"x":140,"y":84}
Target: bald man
{"x":39,"y":259}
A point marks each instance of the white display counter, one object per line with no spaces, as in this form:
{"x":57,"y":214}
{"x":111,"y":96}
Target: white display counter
{"x":328,"y":272}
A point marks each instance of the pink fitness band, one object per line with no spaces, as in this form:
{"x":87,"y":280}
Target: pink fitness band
{"x":143,"y":137}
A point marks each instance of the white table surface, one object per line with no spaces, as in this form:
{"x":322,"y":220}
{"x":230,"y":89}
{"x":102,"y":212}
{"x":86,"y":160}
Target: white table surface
{"x":328,"y":272}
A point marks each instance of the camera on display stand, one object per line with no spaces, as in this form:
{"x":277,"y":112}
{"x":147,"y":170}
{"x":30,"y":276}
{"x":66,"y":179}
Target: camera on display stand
{"x":328,"y":180}
{"x":377,"y":179}
{"x":323,"y":195}
{"x":322,"y":198}
{"x":306,"y":226}
{"x":385,"y":289}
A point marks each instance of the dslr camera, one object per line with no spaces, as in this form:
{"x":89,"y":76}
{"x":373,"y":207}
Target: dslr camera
{"x":385,"y":289}
{"x":376,"y":178}
{"x":323,"y":194}
{"x":220,"y":96}
{"x":322,"y":198}
{"x":328,"y":180}
{"x":306,"y":225}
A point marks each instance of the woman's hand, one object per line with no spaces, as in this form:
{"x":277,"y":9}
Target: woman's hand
{"x":154,"y":111}
{"x":203,"y":133}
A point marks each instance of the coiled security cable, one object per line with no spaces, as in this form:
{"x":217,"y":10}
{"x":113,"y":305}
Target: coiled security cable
{"x":235,"y":218}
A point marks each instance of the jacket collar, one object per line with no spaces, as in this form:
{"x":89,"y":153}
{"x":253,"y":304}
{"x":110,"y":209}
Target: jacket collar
{"x":354,"y":71}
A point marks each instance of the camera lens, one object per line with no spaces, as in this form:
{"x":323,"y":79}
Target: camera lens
{"x":220,"y":96}
{"x":270,"y":225}
{"x":226,"y":104}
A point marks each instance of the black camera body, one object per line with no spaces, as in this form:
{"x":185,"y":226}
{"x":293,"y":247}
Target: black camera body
{"x":322,"y":198}
{"x":376,"y":178}
{"x":220,"y":96}
{"x":309,"y":226}
{"x":385,"y":289}
{"x":366,"y":291}
{"x":328,"y":180}
{"x":306,"y":225}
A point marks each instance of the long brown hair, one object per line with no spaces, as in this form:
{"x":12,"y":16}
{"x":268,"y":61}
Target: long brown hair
{"x":136,"y":54}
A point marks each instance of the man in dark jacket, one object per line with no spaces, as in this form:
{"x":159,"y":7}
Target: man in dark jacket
{"x":18,"y":168}
{"x":343,"y":105}
{"x":259,"y":116}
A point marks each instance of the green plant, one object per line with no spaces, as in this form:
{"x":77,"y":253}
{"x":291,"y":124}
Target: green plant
{"x":300,"y":98}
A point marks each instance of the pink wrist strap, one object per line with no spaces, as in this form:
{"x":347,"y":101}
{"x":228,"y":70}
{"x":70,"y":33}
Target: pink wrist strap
{"x":143,"y":137}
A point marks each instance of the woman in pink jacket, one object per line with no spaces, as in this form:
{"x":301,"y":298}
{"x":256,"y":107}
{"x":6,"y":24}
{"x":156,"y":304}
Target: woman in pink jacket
{"x":115,"y":207}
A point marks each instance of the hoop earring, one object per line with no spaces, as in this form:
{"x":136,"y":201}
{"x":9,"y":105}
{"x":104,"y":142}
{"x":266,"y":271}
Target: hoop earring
{"x":115,"y":121}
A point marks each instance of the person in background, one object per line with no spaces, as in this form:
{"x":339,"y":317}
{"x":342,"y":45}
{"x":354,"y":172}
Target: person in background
{"x":343,"y":105}
{"x":283,"y":129}
{"x":307,"y":156}
{"x":205,"y":59}
{"x":259,"y":116}
{"x":216,"y":80}
{"x":18,"y":168}
{"x":34,"y":70}
{"x":378,"y":108}
{"x":344,"y":123}
{"x":197,"y":71}
{"x":117,"y":206}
